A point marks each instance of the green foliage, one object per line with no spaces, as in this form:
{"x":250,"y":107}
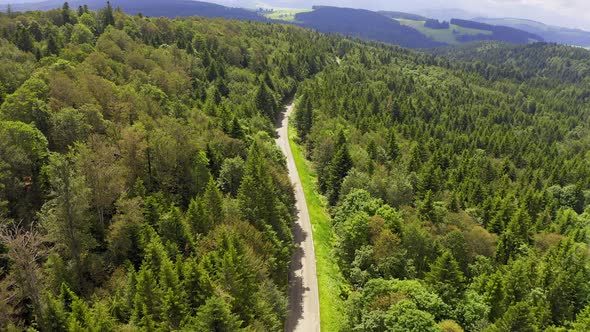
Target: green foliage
{"x":339,"y":168}
{"x":215,"y":315}
{"x":478,"y":152}
{"x":126,"y":136}
{"x":446,"y":277}
{"x":404,"y":316}
{"x":230,"y":175}
{"x":392,"y":305}
{"x":125,"y":139}
{"x":24,"y":151}
{"x":66,"y":215}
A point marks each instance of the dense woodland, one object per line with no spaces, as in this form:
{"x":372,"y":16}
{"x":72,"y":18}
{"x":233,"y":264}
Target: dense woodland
{"x":364,"y":24}
{"x":458,"y":186}
{"x":498,"y":32}
{"x":140,"y":187}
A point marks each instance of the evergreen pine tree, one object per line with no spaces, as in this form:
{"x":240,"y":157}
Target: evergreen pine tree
{"x":236,"y":130}
{"x":147,"y":301}
{"x":195,"y":218}
{"x":339,"y":168}
{"x":171,"y":228}
{"x":265,"y":102}
{"x":66,"y":215}
{"x":24,"y":39}
{"x":108,"y":17}
{"x":393,"y":151}
{"x":174,"y":300}
{"x":52,"y":45}
{"x":215,"y":315}
{"x":152,"y":211}
{"x":372,"y":151}
{"x":495,"y":295}
{"x":213,"y":205}
{"x":446,"y":277}
{"x":196,"y":284}
{"x":426,"y":208}
{"x":66,"y":14}
{"x":201,"y":174}
{"x":518,"y":318}
{"x":304,"y":118}
{"x":256,"y":196}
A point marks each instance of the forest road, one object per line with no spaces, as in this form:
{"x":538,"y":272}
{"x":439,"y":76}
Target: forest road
{"x":304,"y":304}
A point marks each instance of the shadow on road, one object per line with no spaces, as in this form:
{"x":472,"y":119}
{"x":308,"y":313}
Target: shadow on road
{"x":296,"y":289}
{"x":279,"y":119}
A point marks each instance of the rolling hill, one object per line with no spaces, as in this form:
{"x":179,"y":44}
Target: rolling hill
{"x":169,"y":8}
{"x":364,"y":24}
{"x":404,"y":29}
{"x":550,"y":33}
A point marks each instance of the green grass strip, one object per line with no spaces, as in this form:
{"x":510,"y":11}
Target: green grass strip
{"x":330,"y":279}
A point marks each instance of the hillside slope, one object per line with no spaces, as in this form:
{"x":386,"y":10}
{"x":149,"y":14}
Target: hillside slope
{"x":363,"y":24}
{"x":550,"y":33}
{"x":169,"y":8}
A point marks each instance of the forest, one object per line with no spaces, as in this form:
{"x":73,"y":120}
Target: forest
{"x":363,"y":24}
{"x":140,"y":185}
{"x":500,"y":33}
{"x":141,"y":188}
{"x":458,"y":185}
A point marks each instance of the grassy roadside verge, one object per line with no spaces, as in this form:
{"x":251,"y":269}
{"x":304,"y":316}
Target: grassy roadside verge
{"x":329,"y":277}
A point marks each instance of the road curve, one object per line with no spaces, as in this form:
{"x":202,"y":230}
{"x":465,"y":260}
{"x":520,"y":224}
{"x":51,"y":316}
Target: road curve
{"x":304,"y":303}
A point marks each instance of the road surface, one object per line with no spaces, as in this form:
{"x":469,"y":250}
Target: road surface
{"x":304,"y":303}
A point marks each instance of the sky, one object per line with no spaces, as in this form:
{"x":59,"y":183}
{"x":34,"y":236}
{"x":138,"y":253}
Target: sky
{"x":566,"y":13}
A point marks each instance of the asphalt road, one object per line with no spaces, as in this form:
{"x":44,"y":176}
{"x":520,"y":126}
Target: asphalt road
{"x":304,"y":303}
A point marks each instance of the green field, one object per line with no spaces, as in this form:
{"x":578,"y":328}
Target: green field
{"x":285,"y":14}
{"x":330,"y":279}
{"x":448,"y":36}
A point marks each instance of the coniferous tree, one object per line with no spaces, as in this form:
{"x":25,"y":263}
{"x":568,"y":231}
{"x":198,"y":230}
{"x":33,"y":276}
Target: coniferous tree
{"x":52,"y":45}
{"x":66,"y":216}
{"x":174,"y":296}
{"x":304,"y":118}
{"x":256,"y":196}
{"x":147,"y":300}
{"x":236,"y":130}
{"x":152,"y":210}
{"x":108,"y":17}
{"x":66,"y":14}
{"x":518,"y":317}
{"x":201,"y":174}
{"x":265,"y":101}
{"x":213,"y":205}
{"x":495,"y":295}
{"x":372,"y":150}
{"x":230,"y":175}
{"x":446,"y":277}
{"x":24,"y":39}
{"x":196,"y":219}
{"x":393,"y":151}
{"x":427,"y":209}
{"x":196,"y":283}
{"x":215,"y":315}
{"x":339,"y":167}
{"x":171,"y":227}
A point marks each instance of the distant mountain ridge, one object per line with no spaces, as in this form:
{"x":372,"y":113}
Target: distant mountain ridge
{"x":404,"y":29}
{"x":364,"y":24}
{"x":550,"y":33}
{"x":499,"y":32}
{"x":168,"y":8}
